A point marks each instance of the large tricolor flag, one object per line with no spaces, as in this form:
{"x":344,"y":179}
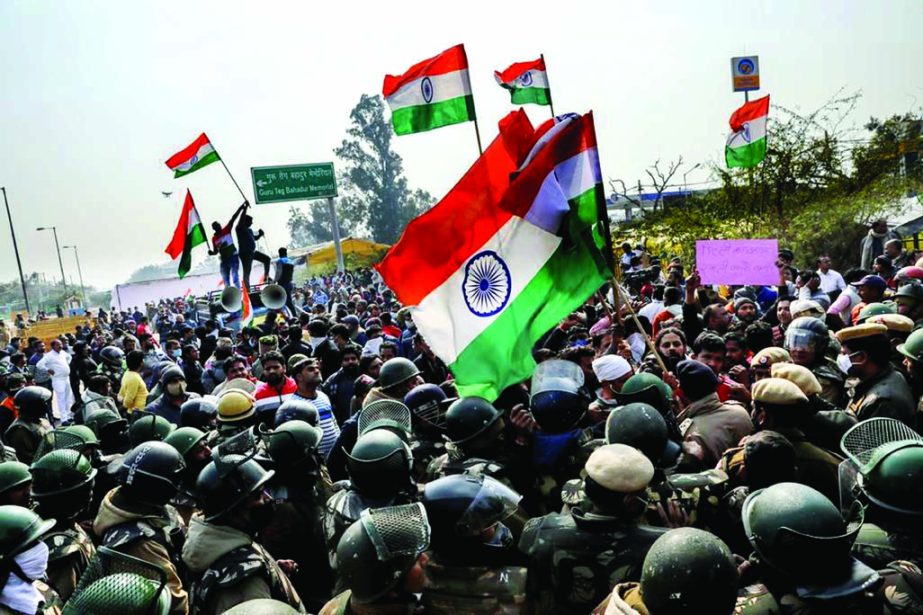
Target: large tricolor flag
{"x":433,"y":93}
{"x":499,"y":262}
{"x":188,"y":234}
{"x":199,"y":154}
{"x":746,"y":147}
{"x":526,"y":81}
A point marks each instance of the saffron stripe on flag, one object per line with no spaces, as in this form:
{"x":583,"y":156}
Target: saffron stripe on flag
{"x":450,"y":60}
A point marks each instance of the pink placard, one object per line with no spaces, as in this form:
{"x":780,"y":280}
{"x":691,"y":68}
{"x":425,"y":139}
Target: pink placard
{"x":737,"y":261}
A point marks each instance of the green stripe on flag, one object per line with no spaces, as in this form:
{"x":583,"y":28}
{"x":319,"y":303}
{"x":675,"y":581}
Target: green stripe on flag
{"x":193,"y":239}
{"x":747,"y":156}
{"x":204,"y":162}
{"x":418,"y":118}
{"x":502,"y":354}
{"x":525,"y":96}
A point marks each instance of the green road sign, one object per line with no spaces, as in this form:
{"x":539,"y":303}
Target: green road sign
{"x":294,"y":182}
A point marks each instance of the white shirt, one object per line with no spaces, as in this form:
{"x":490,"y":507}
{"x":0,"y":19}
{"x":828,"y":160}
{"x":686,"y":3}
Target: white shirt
{"x":651,"y":310}
{"x":58,"y":362}
{"x":831,"y":281}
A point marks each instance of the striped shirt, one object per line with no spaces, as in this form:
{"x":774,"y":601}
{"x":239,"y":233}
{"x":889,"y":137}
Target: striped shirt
{"x":327,"y":421}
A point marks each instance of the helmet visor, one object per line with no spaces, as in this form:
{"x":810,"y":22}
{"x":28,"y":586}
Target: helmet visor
{"x":494,"y":502}
{"x":557,"y":375}
{"x":397,"y":531}
{"x":800,"y":339}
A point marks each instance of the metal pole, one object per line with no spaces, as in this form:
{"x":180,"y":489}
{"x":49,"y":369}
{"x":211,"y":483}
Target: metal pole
{"x":22,"y":279}
{"x":221,"y":160}
{"x":54,"y":230}
{"x":341,"y":267}
{"x":548,"y":83}
{"x":83,"y":289}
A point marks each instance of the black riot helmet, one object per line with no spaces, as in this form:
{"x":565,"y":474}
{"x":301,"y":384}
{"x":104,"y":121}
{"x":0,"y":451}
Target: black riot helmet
{"x":297,"y":410}
{"x":379,"y":464}
{"x":640,"y":425}
{"x":428,"y":403}
{"x":462,"y":507}
{"x":555,"y":401}
{"x":199,"y":412}
{"x":151,"y":473}
{"x":227,"y":481}
{"x":112,"y":356}
{"x":33,"y":401}
{"x":469,"y":417}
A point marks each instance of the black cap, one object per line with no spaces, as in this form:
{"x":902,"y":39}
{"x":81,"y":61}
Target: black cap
{"x":696,"y":379}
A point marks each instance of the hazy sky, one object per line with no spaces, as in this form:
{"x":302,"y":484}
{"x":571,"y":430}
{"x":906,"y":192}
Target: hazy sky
{"x":94,"y":96}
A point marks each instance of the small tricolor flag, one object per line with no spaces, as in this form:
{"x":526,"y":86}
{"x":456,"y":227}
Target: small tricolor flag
{"x":431,"y":94}
{"x":746,"y":147}
{"x":526,"y":81}
{"x":246,"y":309}
{"x":199,"y":154}
{"x":189,"y":233}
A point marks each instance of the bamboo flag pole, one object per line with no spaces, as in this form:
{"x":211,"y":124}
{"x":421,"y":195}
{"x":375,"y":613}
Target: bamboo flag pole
{"x":617,"y":290}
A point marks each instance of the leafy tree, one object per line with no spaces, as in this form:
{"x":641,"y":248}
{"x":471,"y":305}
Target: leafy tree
{"x":313,"y":224}
{"x":375,"y":191}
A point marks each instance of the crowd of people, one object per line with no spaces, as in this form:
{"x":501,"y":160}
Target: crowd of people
{"x":679,"y":448}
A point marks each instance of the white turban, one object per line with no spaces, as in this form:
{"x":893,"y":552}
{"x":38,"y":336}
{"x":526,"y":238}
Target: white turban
{"x":610,"y":367}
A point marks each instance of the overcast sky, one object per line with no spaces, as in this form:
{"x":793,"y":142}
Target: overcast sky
{"x":94,"y":96}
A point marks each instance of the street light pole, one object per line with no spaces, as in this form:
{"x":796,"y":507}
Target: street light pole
{"x":57,"y":247}
{"x":685,"y":187}
{"x":22,"y":279}
{"x":83,"y":289}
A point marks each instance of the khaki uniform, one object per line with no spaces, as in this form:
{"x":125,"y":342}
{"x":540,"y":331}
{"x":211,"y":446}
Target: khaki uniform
{"x":715,"y":426}
{"x":229,"y":568}
{"x":886,"y":395}
{"x":25,"y":436}
{"x":149,"y":535}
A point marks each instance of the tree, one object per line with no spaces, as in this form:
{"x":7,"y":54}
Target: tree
{"x":375,"y":192}
{"x":313,"y":224}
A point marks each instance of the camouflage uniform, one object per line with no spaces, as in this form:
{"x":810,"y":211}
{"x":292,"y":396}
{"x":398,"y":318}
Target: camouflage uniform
{"x":24,"y":437}
{"x":574,"y":559}
{"x":897,"y":590}
{"x":474,"y":590}
{"x":879,"y":545}
{"x":424,"y":452}
{"x":70,"y":550}
{"x":832,"y":382}
{"x":233,"y":571}
{"x":51,"y":603}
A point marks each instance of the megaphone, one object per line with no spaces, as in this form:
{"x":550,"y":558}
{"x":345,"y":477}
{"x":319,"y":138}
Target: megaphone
{"x":230,"y":299}
{"x":273,"y":296}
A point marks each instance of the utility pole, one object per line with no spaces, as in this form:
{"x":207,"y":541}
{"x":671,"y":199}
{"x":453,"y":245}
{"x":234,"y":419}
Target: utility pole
{"x":57,"y":247}
{"x":22,"y":279}
{"x":83,"y":289}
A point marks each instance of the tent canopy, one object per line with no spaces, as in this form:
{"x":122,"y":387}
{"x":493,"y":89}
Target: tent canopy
{"x":324,"y":253}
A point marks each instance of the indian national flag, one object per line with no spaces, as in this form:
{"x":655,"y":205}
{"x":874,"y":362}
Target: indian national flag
{"x":746,"y":147}
{"x":246,"y":308}
{"x":497,"y":263}
{"x":199,"y":154}
{"x":188,"y":234}
{"x":431,"y":94}
{"x":526,"y":81}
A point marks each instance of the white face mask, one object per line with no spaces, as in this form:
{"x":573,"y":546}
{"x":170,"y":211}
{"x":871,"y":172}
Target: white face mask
{"x":34,"y":561}
{"x":843,"y":362}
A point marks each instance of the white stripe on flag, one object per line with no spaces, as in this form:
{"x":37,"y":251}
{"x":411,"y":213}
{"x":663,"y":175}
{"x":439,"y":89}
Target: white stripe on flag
{"x":204,"y":151}
{"x":752,"y":131}
{"x":570,"y":179}
{"x":535,"y":79}
{"x":441,"y":87}
{"x":443,"y":316}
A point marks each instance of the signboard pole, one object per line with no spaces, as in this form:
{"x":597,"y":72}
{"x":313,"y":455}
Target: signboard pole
{"x":336,"y":235}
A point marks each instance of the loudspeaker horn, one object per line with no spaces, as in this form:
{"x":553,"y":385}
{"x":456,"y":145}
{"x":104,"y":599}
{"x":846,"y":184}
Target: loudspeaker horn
{"x":230,"y":299}
{"x":273,"y":296}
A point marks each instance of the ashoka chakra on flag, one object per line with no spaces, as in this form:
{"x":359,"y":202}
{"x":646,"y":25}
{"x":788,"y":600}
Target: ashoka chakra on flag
{"x":486,"y":285}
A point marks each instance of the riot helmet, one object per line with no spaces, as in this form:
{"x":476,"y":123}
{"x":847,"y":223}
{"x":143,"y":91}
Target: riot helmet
{"x":150,"y":473}
{"x":470,"y":417}
{"x":641,"y":426}
{"x":297,"y":410}
{"x":227,"y":481}
{"x":387,"y":414}
{"x":428,"y":403}
{"x":112,"y":356}
{"x":379,"y":464}
{"x":33,"y":401}
{"x":63,"y":483}
{"x":555,"y":401}
{"x":396,"y":371}
{"x":199,"y":412}
{"x":149,"y":427}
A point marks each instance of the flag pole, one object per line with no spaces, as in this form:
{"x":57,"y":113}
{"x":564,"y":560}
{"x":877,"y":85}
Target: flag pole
{"x":477,"y":131}
{"x":221,"y":159}
{"x":548,"y":81}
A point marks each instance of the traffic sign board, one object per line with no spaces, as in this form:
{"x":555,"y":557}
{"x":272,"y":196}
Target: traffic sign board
{"x":745,"y":73}
{"x":295,"y":182}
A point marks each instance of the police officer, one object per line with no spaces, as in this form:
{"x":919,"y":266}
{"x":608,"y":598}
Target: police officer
{"x":379,"y":468}
{"x":912,"y":352}
{"x":574,"y":558}
{"x":886,"y":467}
{"x":227,"y":565}
{"x":807,"y":340}
{"x":24,"y":435}
{"x":801,"y":555}
{"x":236,"y":413}
{"x":112,"y":431}
{"x":62,"y":489}
{"x":148,"y":428}
{"x":780,"y":406}
{"x":474,"y":565}
{"x":192,"y":445}
{"x":135,"y":518}
{"x":398,"y":376}
{"x":300,"y":489}
{"x":122,"y":592}
{"x":199,"y":412}
{"x":428,"y":404}
{"x":15,"y":484}
{"x":23,"y":562}
{"x":881,"y":390}
{"x":687,"y":570}
{"x":909,"y":300}
{"x":297,"y":410}
{"x":112,"y":366}
{"x":382,"y":556}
